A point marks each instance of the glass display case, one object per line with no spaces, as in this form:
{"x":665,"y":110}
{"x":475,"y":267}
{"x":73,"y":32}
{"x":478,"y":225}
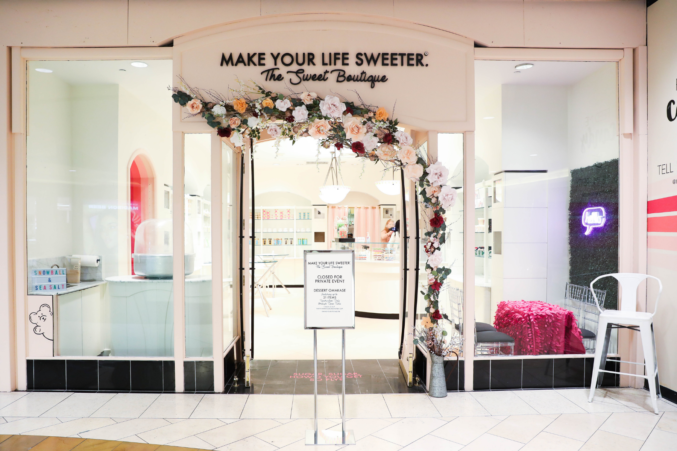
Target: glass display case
{"x":370,"y":251}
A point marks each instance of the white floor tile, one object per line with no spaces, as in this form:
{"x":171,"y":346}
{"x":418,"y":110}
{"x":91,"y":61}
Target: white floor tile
{"x":74,"y":427}
{"x":268,"y":406}
{"x":503,"y":403}
{"x":79,"y":405}
{"x":577,"y":426}
{"x":430,"y":442}
{"x":33,"y":404}
{"x":372,"y":443}
{"x":660,"y":441}
{"x":363,"y":427}
{"x":180,"y":430}
{"x":488,"y":442}
{"x":192,"y":442}
{"x":120,"y":430}
{"x":606,"y":441}
{"x":636,"y":425}
{"x":286,"y":434}
{"x":552,"y":442}
{"x":668,"y":422}
{"x":283,"y":420}
{"x":409,"y":430}
{"x":248,"y":444}
{"x":132,"y":439}
{"x":126,"y":405}
{"x":2,"y":420}
{"x":366,"y":406}
{"x":522,"y":428}
{"x":464,"y":430}
{"x":231,"y":433}
{"x":639,"y":399}
{"x":459,"y":405}
{"x":548,"y":402}
{"x":219,"y":406}
{"x":8,"y":398}
{"x":26,"y":425}
{"x":327,"y":406}
{"x":10,"y":419}
{"x":410,"y":405}
{"x":602,"y":403}
{"x":180,"y":405}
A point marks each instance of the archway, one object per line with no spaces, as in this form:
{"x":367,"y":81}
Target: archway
{"x":141,"y":197}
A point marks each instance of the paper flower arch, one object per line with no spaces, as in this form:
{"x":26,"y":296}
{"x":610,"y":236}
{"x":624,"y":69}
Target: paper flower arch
{"x":368,"y":131}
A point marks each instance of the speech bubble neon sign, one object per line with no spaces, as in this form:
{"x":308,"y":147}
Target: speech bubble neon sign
{"x":593,"y":217}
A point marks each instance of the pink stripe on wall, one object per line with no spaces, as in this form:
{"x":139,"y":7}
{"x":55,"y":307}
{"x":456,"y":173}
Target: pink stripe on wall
{"x":662,"y":224}
{"x":664,"y":205}
{"x":666,"y":243}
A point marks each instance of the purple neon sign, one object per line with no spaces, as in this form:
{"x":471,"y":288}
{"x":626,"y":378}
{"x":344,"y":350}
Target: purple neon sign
{"x":593,"y":217}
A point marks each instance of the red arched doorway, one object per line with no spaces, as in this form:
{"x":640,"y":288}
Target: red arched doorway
{"x":141,"y":197}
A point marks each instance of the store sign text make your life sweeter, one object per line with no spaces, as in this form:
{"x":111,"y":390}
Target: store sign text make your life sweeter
{"x":334,"y":61}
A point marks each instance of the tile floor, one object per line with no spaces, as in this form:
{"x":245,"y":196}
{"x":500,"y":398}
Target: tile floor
{"x":295,"y":377}
{"x":561,"y":420}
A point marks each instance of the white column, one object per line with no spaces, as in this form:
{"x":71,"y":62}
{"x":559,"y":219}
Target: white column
{"x":217,"y":263}
{"x":178,"y":248}
{"x":469,"y":257}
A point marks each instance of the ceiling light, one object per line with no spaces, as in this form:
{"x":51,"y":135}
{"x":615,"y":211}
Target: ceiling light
{"x":123,"y":70}
{"x":389,"y":187}
{"x":488,"y":117}
{"x":139,"y":64}
{"x":71,"y":170}
{"x":533,"y":155}
{"x":43,"y":70}
{"x":524,"y":66}
{"x":334,"y":193}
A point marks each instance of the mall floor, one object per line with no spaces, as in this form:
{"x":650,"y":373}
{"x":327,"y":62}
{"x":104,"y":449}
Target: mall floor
{"x":561,"y":420}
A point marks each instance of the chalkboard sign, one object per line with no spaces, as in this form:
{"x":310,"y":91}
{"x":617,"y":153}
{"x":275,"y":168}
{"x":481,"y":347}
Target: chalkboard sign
{"x":329,"y":300}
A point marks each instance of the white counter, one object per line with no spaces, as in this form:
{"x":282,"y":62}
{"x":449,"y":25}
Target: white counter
{"x":377,"y":287}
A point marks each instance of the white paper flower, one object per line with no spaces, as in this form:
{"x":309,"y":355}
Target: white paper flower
{"x":300,"y":114}
{"x":403,"y":138}
{"x":283,"y":105}
{"x":447,"y":197}
{"x":274,"y":131}
{"x":331,"y":106}
{"x":253,"y":122}
{"x":435,"y":259}
{"x":437,"y":174}
{"x":236,"y":139}
{"x":370,"y":142}
{"x":219,"y":110}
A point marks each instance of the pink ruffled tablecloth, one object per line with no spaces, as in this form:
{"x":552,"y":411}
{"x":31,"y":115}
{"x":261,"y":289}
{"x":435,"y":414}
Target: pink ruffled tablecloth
{"x":539,"y":328}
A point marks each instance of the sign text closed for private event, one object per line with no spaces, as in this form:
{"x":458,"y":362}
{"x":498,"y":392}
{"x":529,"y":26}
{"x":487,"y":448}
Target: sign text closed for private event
{"x":329,"y":290}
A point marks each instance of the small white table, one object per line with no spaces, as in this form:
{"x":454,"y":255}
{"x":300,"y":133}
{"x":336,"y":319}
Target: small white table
{"x":271,"y":269}
{"x":260,"y":283}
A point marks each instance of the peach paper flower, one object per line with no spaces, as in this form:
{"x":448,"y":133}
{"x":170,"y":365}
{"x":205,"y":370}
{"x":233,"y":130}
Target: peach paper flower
{"x":407,"y":155}
{"x":234,"y":122}
{"x":432,"y":191}
{"x":240,"y":105}
{"x":386,"y":152}
{"x":319,"y":129}
{"x":413,"y":172}
{"x":354,"y":129}
{"x":268,"y":103}
{"x":308,"y":97}
{"x":381,"y":114}
{"x":194,"y":106}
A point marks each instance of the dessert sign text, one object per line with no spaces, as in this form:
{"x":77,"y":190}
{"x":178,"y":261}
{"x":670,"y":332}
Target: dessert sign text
{"x":329,"y":301}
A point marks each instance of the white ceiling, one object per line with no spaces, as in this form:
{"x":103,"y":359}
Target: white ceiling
{"x":149,"y":84}
{"x":490,"y":74}
{"x":303,"y":152}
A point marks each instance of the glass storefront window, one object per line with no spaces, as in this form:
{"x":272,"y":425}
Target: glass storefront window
{"x":546,"y":204}
{"x":99,"y":177}
{"x":228,"y":224}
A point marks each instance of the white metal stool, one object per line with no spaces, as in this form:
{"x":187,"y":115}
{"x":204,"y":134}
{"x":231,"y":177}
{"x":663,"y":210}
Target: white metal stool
{"x":627,"y":318}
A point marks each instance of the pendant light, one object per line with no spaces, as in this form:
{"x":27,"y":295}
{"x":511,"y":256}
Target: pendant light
{"x":389,"y":187}
{"x":334,"y":193}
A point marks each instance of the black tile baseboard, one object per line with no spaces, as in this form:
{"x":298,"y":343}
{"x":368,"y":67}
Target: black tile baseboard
{"x":198,"y":376}
{"x":100,"y":375}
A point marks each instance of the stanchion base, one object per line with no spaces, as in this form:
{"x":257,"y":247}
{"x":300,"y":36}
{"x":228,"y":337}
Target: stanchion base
{"x":330,"y":438}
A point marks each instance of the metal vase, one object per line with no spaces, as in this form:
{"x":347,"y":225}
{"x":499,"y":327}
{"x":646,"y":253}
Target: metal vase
{"x":438,"y":383}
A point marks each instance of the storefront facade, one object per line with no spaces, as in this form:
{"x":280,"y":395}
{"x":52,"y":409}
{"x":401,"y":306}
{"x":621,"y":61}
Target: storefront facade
{"x":434,"y":53}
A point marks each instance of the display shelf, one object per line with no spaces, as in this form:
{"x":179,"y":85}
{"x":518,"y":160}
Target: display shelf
{"x":293,"y":234}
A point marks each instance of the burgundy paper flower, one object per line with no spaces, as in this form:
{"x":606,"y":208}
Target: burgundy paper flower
{"x":388,"y":138}
{"x":255,"y":114}
{"x":436,"y":285}
{"x":338,"y":146}
{"x":358,"y":148}
{"x":224,"y":132}
{"x":436,"y":315}
{"x":289,"y":119}
{"x":348,"y":110}
{"x":437,"y":221}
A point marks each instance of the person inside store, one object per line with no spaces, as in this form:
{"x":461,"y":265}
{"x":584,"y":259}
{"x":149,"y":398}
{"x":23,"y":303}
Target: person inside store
{"x":388,"y":231}
{"x":395,"y":236}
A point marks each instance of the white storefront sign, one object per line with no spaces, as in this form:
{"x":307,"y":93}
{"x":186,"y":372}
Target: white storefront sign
{"x":329,"y":301}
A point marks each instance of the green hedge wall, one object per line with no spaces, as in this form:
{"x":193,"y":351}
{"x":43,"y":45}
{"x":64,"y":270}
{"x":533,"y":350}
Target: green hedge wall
{"x":595,"y":254}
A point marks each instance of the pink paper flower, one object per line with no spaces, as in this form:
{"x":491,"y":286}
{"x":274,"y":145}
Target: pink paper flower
{"x":331,"y":106}
{"x":437,"y":174}
{"x":447,"y":197}
{"x":274,"y":131}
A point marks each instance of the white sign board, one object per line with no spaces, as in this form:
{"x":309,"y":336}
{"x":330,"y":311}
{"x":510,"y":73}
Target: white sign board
{"x":329,"y":301}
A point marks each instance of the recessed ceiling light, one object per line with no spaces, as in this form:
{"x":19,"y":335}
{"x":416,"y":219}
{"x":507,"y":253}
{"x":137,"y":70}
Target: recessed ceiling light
{"x":139,"y":64}
{"x":533,"y":155}
{"x":488,"y":117}
{"x":71,"y":170}
{"x":123,"y":70}
{"x":524,"y":66}
{"x":43,"y":70}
